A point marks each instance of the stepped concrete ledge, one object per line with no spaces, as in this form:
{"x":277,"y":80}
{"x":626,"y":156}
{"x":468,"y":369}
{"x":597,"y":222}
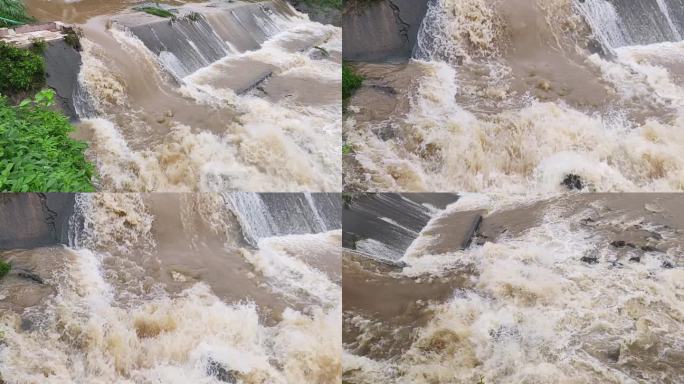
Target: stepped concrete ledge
{"x":25,"y":35}
{"x":202,"y":34}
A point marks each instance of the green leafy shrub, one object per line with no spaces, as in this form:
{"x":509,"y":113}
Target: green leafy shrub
{"x":157,"y":12}
{"x":36,"y":152}
{"x":351,"y":81}
{"x":13,"y":13}
{"x":194,"y":16}
{"x":38,"y":46}
{"x":4,"y":268}
{"x":72,"y":37}
{"x":20,"y":69}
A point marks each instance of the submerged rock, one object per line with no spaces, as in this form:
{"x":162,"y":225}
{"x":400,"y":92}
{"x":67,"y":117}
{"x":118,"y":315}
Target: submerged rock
{"x":589,"y":259}
{"x":216,"y":369}
{"x":572,"y":182}
{"x":25,"y":274}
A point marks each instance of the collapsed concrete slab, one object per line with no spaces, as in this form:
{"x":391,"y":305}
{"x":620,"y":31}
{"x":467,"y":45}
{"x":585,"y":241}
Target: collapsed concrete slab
{"x":199,"y":35}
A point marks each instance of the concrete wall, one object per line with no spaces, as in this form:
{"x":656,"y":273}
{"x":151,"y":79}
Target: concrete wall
{"x":62,"y":64}
{"x":29,"y":220}
{"x":381,"y":30}
{"x":391,"y":219}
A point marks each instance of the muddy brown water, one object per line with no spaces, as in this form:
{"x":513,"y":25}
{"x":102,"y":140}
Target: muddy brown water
{"x":159,"y":286}
{"x":396,"y":320}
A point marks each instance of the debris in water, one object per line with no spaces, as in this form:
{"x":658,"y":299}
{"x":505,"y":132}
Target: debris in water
{"x":573,"y":182}
{"x":653,"y":208}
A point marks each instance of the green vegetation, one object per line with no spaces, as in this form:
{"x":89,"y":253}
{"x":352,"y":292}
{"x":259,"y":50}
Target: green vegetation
{"x":20,"y":70}
{"x":156,"y":11}
{"x":351,"y":81}
{"x":13,"y":13}
{"x":193,"y":16}
{"x":72,"y":37}
{"x":4,"y":269}
{"x":38,"y":46}
{"x":36,"y":152}
{"x":347,"y":149}
{"x":337,"y":4}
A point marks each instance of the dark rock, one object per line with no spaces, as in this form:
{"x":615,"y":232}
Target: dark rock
{"x":589,"y":259}
{"x":572,"y":182}
{"x":30,"y":276}
{"x":656,"y":235}
{"x":635,"y":259}
{"x":648,"y":248}
{"x":216,"y":369}
{"x":386,"y":132}
{"x":587,"y":221}
{"x":618,"y":243}
{"x":594,"y":46}
{"x":667,"y":265}
{"x":26,"y":324}
{"x":385,"y":89}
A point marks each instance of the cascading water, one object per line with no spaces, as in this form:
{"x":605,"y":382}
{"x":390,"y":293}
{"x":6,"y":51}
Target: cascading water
{"x":517,"y":96}
{"x":227,"y":96}
{"x":583,"y":288}
{"x":621,"y":23}
{"x":163,"y":288}
{"x":384,"y":225}
{"x":268,"y":215}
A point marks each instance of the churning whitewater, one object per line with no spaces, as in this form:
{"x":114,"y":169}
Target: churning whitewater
{"x":227,"y":96}
{"x":576,"y":289}
{"x":516,"y":96}
{"x":179,"y":289}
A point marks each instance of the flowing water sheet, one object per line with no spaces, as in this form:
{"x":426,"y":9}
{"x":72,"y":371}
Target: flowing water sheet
{"x":171,"y":288}
{"x":518,"y":96}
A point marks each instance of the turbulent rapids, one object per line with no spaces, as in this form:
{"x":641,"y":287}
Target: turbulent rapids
{"x":225,"y":96}
{"x":517,"y":96}
{"x":576,"y":289}
{"x":176,"y":289}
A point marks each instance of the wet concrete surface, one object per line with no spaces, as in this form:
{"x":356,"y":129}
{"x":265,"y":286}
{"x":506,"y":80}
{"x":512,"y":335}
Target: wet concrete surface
{"x":62,"y":65}
{"x":393,"y":220}
{"x":381,"y":30}
{"x":30,"y":220}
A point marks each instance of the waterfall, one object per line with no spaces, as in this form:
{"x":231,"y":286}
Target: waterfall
{"x":202,"y":35}
{"x":275,"y":214}
{"x":618,"y":23}
{"x":385,"y":225}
